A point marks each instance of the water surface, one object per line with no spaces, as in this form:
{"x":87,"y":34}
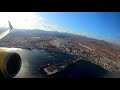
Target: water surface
{"x":33,"y":59}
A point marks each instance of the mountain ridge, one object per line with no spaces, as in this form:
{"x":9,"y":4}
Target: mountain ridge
{"x":99,"y":52}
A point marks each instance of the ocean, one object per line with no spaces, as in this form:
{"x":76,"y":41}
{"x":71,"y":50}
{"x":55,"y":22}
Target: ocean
{"x":32,"y":60}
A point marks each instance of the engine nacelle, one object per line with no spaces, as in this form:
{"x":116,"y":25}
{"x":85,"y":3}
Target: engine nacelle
{"x":10,"y":64}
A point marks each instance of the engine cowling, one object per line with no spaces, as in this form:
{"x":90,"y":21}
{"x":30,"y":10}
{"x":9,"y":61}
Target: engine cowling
{"x":10,"y":64}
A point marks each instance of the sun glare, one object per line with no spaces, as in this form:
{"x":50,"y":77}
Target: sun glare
{"x":19,"y":20}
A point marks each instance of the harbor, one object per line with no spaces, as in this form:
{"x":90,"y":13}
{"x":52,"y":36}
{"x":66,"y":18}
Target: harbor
{"x":55,"y":68}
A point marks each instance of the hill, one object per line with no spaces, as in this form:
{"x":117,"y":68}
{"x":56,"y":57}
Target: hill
{"x":100,"y":52}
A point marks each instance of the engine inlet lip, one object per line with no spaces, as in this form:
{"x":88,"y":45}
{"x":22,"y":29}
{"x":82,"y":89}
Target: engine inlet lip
{"x":5,"y":71}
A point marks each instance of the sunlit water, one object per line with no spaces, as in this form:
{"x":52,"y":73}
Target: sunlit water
{"x":33,"y":59}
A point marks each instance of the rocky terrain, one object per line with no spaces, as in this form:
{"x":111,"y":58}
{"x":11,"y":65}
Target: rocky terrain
{"x":99,"y":52}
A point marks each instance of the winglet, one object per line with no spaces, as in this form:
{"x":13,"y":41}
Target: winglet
{"x":10,"y":25}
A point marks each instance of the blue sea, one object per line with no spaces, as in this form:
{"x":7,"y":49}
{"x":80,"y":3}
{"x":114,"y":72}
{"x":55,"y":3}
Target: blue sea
{"x":32,"y":60}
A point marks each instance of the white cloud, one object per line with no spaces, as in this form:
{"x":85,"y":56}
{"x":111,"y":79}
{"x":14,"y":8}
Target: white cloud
{"x":49,"y":27}
{"x":26,"y":20}
{"x":31,"y":20}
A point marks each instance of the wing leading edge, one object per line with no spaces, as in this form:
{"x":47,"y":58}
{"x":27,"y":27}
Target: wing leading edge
{"x":7,"y":31}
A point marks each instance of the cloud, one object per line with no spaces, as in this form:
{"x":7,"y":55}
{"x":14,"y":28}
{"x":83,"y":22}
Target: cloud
{"x":23,"y":20}
{"x":31,"y":20}
{"x":28,"y":20}
{"x":47,"y":26}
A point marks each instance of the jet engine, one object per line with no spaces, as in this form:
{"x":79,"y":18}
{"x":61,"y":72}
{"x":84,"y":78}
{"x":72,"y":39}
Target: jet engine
{"x":10,"y":63}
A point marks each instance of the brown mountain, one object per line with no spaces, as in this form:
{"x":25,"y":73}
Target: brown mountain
{"x":100,"y":52}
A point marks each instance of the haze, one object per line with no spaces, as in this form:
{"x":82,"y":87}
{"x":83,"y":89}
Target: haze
{"x":99,"y":25}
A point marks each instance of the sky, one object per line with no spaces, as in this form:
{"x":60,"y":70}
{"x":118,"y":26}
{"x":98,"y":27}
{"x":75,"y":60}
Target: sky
{"x":98,"y":25}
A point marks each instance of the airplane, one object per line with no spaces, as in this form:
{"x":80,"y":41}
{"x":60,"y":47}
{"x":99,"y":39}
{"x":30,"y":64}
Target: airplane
{"x":10,"y":62}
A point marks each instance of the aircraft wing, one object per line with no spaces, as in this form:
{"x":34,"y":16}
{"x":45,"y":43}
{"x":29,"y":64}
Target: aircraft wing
{"x":7,"y":31}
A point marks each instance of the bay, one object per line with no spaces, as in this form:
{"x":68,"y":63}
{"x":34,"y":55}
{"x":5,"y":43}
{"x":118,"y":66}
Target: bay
{"x":32,"y":60}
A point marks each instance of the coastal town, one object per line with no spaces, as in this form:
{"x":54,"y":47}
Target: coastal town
{"x":98,"y":52}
